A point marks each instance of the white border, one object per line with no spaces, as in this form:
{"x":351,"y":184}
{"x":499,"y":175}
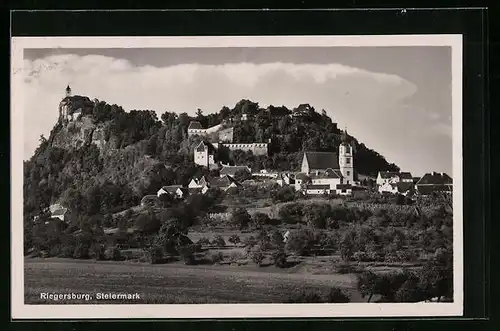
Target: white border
{"x":22,"y":311}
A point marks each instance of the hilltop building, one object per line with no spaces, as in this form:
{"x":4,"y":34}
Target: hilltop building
{"x":204,"y":154}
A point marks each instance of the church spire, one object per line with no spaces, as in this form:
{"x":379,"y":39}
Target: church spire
{"x":345,"y":136}
{"x":68,"y":91}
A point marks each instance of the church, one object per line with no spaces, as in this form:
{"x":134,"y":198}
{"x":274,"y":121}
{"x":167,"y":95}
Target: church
{"x":320,"y":170}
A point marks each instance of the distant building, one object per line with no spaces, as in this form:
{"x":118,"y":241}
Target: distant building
{"x":226,"y":135}
{"x":204,"y":154}
{"x":434,"y":182}
{"x":316,"y":189}
{"x":316,"y":163}
{"x":224,"y":183}
{"x":343,"y":189}
{"x":403,"y":188}
{"x":233,"y":170}
{"x":58,"y":211}
{"x":285,"y":179}
{"x":387,"y":177}
{"x":331,"y":177}
{"x":176,"y":191}
{"x":195,"y":128}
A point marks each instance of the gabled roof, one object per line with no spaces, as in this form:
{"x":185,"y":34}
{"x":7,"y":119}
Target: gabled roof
{"x":329,"y":173}
{"x":321,"y":160}
{"x":302,"y":176}
{"x":195,"y":125}
{"x":405,"y":175}
{"x":232,"y":170}
{"x":435,"y":178}
{"x":195,"y":190}
{"x":388,"y":174}
{"x":184,"y":190}
{"x":171,"y":188}
{"x":223,"y":181}
{"x":59,"y":212}
{"x":205,"y":144}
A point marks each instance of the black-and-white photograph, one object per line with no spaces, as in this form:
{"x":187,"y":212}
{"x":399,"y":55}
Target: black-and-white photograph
{"x":188,"y":171}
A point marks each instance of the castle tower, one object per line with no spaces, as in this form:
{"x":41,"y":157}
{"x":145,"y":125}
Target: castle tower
{"x":346,"y":161}
{"x":68,"y":91}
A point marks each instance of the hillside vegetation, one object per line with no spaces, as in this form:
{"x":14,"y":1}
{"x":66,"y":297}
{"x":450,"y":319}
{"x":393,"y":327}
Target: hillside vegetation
{"x":109,"y":159}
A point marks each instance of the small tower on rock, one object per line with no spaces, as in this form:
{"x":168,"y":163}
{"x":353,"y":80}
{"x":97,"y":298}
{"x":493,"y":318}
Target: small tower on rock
{"x":68,"y":91}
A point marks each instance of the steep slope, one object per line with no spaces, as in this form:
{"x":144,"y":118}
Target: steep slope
{"x":99,"y":158}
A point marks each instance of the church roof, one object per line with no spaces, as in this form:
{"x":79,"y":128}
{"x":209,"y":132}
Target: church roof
{"x":329,"y":173}
{"x":201,"y":146}
{"x":194,"y":125}
{"x":232,"y":170}
{"x":321,"y":160}
{"x":435,"y":178}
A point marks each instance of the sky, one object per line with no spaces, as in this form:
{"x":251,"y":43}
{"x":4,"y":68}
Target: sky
{"x":395,"y":100}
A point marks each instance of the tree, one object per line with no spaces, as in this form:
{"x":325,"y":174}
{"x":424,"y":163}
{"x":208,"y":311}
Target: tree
{"x":241,"y":218}
{"x":234,"y":239}
{"x":260,"y":219}
{"x":337,"y":296}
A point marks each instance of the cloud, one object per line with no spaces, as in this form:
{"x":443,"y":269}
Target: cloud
{"x":367,"y":102}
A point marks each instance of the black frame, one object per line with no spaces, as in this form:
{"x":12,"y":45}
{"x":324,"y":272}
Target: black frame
{"x":471,"y":23}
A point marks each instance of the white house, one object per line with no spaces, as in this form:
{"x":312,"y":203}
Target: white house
{"x":331,"y":177}
{"x":174,"y":190}
{"x":317,"y":189}
{"x":385,"y":177}
{"x":204,"y":154}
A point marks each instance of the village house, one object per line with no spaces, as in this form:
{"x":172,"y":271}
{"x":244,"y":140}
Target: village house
{"x":177,"y":191}
{"x":265,"y":173}
{"x":58,"y":211}
{"x":224,"y":183}
{"x":343,"y":189}
{"x":434,"y":182}
{"x":301,"y":179}
{"x":233,"y":170}
{"x":331,"y":177}
{"x":386,"y":177}
{"x":403,"y":188}
{"x":199,"y":183}
{"x":316,"y":189}
{"x":204,"y":154}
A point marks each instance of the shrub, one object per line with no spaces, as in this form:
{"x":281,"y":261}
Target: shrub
{"x":203,"y":241}
{"x":155,"y":254}
{"x":305,"y":296}
{"x":337,"y":296}
{"x":260,"y":219}
{"x":258,"y":257}
{"x":186,"y":253}
{"x":81,"y":251}
{"x":98,"y":251}
{"x":218,"y":241}
{"x":241,"y":218}
{"x":215,"y":257}
{"x":300,"y":242}
{"x":234,"y":239}
{"x":280,"y":259}
{"x":67,"y":251}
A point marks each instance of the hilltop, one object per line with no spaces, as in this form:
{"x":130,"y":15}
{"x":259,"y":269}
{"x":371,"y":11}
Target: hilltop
{"x":103,"y":159}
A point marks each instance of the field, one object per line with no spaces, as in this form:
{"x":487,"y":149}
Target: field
{"x":173,"y":283}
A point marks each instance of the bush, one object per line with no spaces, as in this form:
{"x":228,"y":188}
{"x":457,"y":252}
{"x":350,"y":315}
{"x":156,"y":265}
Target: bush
{"x":67,"y":251}
{"x":305,"y":296}
{"x":218,"y":241}
{"x":300,"y":242}
{"x":234,"y":239}
{"x":155,"y":254}
{"x":186,"y":253}
{"x":280,"y":259}
{"x":81,"y":251}
{"x":258,"y":257}
{"x":241,"y":218}
{"x":260,"y":219}
{"x":337,"y":296}
{"x":203,"y":241}
{"x":98,"y":251}
{"x":215,"y":257}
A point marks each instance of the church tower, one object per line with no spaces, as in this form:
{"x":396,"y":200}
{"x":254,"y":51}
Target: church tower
{"x":346,"y":161}
{"x":68,"y":91}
